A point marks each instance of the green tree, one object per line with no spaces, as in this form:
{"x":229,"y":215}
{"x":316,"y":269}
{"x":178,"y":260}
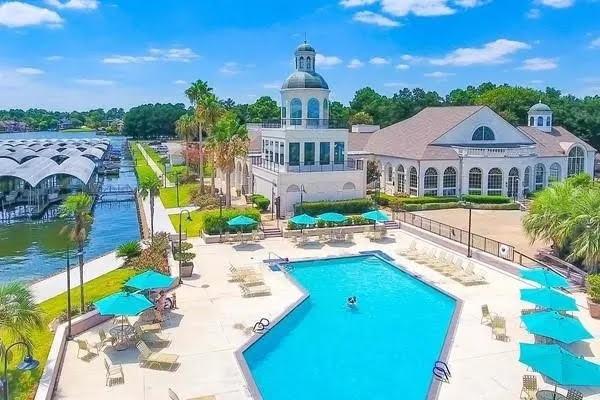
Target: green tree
{"x":208,"y":112}
{"x":186,"y":127}
{"x":19,"y":313}
{"x":228,"y":141}
{"x":150,"y":187}
{"x":361,"y":117}
{"x":338,"y":112}
{"x":264,"y":108}
{"x":78,"y":209}
{"x":151,"y":121}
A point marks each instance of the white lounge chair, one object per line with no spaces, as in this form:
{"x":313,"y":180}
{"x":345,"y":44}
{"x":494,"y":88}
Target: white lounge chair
{"x":252,"y":291}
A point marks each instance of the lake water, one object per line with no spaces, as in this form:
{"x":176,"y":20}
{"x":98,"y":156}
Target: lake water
{"x":31,"y":251}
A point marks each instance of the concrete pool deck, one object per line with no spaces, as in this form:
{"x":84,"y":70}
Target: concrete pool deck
{"x":212,"y":321}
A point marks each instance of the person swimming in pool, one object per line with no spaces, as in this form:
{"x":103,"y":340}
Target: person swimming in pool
{"x":352,"y":302}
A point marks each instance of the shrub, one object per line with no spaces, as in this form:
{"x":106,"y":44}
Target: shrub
{"x":352,"y":220}
{"x":128,"y":250}
{"x":355,"y":206}
{"x":431,"y":206}
{"x":383,"y":199}
{"x":189,"y":178}
{"x":214,"y":223}
{"x":261,"y":202}
{"x":184,"y":255}
{"x":154,"y":255}
{"x":593,"y":287}
{"x":204,"y":201}
{"x":507,"y":206}
{"x":478,"y":199}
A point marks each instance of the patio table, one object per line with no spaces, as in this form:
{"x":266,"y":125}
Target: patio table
{"x":549,"y":395}
{"x":122,"y":334}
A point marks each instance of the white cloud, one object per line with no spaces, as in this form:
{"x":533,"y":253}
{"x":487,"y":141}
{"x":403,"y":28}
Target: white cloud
{"x":94,"y":82}
{"x":398,"y":84}
{"x":180,"y":82}
{"x":172,"y":54}
{"x":230,"y":68}
{"x":534,"y":13}
{"x":536,"y":81}
{"x":379,"y":61}
{"x":356,"y":3}
{"x":327,"y":61}
{"x":74,"y":4}
{"x":539,"y":64}
{"x":54,"y":58}
{"x":15,"y":14}
{"x":556,"y":3}
{"x":438,"y":75}
{"x":355,"y":63}
{"x":29,"y":71}
{"x":491,"y":53}
{"x":272,"y":85}
{"x":595,"y":44}
{"x":369,"y":17}
{"x":402,"y":67}
{"x":423,"y":8}
{"x":471,"y":3}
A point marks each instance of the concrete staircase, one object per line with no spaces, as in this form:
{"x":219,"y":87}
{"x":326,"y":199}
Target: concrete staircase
{"x":272,"y":232}
{"x":392,"y":224}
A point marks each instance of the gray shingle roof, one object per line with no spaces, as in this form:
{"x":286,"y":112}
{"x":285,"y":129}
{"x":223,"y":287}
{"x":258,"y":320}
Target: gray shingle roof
{"x":305,"y":79}
{"x":549,"y":144}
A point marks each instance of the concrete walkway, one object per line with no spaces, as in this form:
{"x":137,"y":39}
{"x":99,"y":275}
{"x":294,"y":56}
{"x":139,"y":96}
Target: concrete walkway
{"x":177,"y":210}
{"x":157,"y":170}
{"x":57,"y":284}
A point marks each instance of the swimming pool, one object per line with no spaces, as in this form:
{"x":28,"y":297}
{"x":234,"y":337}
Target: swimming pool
{"x":383,"y":349}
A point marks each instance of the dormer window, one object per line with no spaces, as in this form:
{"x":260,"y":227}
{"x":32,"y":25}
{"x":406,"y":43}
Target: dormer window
{"x":540,"y":121}
{"x":308,"y":63}
{"x":301,"y":63}
{"x":483,"y":133}
{"x":548,"y":121}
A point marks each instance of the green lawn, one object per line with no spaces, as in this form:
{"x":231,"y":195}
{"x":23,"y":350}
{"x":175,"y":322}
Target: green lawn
{"x":23,"y":384}
{"x":168,"y":195}
{"x":82,"y":129}
{"x":141,"y":165}
{"x":191,"y":228}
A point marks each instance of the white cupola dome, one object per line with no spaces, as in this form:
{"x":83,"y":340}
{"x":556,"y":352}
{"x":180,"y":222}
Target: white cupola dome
{"x":540,"y":117}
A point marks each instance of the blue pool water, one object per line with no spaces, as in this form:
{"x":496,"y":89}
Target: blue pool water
{"x":385,"y":349}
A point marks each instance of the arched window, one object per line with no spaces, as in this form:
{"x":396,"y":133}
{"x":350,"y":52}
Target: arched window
{"x":413,"y":181}
{"x":313,"y":108}
{"x":308,"y":63}
{"x":483,"y":133}
{"x":349,"y":186}
{"x":540,"y":176}
{"x":389,"y":173}
{"x":531,"y":121}
{"x":554,"y":173}
{"x":296,"y":111}
{"x":540,"y":121}
{"x":430,"y":183}
{"x":513,"y":183}
{"x":526,"y":180}
{"x":576,"y":161}
{"x":475,"y":181}
{"x":548,"y":121}
{"x":449,"y":181}
{"x":301,"y":63}
{"x":494,"y":186}
{"x":293,"y":189}
{"x":400,"y":178}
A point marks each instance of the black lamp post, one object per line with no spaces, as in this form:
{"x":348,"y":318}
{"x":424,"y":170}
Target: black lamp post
{"x":177,"y":188}
{"x":469,"y":234}
{"x":27,"y":364}
{"x":179,"y":252}
{"x":68,"y":295}
{"x":302,"y":191}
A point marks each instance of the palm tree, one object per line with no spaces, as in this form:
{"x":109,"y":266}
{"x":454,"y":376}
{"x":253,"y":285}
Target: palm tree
{"x":208,"y":112}
{"x":186,"y":127}
{"x":19,"y":313}
{"x":78,"y":208}
{"x":584,"y":228}
{"x":228,"y":141}
{"x":196,"y":93}
{"x":150,"y":186}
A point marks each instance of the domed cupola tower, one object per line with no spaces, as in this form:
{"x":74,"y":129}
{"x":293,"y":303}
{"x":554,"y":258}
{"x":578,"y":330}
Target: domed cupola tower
{"x":540,"y":117}
{"x":305,"y":94}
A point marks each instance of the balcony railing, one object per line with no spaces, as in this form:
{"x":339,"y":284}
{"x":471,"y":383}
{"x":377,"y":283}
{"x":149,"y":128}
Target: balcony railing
{"x":525,"y":151}
{"x":306,"y":123}
{"x":348,"y":165}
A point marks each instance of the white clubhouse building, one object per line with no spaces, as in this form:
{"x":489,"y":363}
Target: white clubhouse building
{"x":441,"y":151}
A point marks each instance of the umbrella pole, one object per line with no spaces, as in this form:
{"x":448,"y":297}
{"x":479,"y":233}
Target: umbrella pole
{"x":554,"y":396}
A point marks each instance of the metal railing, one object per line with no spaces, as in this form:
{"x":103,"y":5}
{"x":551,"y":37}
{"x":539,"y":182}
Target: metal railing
{"x":304,"y":123}
{"x":348,"y":165}
{"x":487,"y":245}
{"x":524,"y":151}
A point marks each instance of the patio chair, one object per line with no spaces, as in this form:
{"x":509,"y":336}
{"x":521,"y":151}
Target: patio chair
{"x":486,"y":316}
{"x":425,"y":256}
{"x":114,"y":373}
{"x":255,"y":236}
{"x":226,"y":237}
{"x":148,"y":358}
{"x":410,"y":249}
{"x":149,"y":327}
{"x":349,"y":237}
{"x":83,"y":345}
{"x":173,"y":396}
{"x":120,"y":320}
{"x":252,"y":280}
{"x":529,"y":388}
{"x":151,"y":339}
{"x":105,"y":340}
{"x":252,"y":291}
{"x":499,"y":329}
{"x":573,"y":394}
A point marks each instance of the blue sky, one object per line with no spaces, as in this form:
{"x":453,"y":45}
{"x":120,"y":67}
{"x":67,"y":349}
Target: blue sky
{"x":79,"y":54}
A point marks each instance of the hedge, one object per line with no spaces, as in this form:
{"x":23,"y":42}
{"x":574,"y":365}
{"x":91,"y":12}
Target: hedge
{"x":314,"y":208}
{"x":214,"y":224}
{"x":478,"y":199}
{"x":431,"y":206}
{"x":505,"y":206}
{"x":352,"y":220}
{"x":260,"y":201}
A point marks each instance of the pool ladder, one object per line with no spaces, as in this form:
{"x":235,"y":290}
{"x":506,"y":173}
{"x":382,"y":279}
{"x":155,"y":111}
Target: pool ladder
{"x":261,"y":325}
{"x":441,"y":371}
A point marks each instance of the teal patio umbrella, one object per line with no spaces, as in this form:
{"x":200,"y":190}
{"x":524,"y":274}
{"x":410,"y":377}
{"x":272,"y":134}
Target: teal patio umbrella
{"x":556,"y":326}
{"x":545,"y":277}
{"x":123,"y":303}
{"x":150,"y":280}
{"x":241,"y":221}
{"x":376,"y":216}
{"x":304,"y":220}
{"x":549,"y":298}
{"x":332,"y":217}
{"x":563,"y":367}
